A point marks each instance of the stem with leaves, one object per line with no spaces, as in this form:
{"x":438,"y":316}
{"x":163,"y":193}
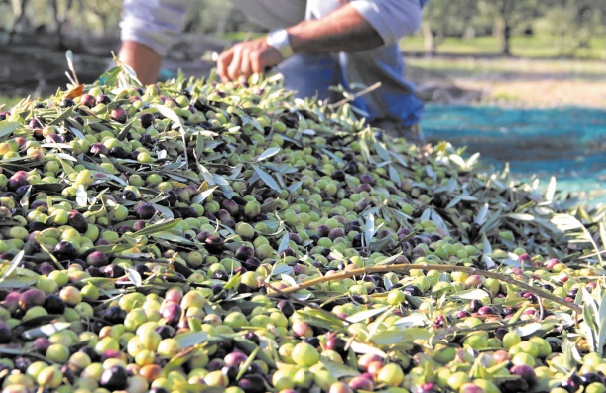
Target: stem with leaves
{"x":441,"y":268}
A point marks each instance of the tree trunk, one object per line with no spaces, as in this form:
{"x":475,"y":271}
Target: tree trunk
{"x":502,"y":30}
{"x":428,"y":39}
{"x":506,"y":39}
{"x":19,"y":18}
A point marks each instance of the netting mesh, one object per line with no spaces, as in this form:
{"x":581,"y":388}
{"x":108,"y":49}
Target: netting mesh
{"x":568,"y":143}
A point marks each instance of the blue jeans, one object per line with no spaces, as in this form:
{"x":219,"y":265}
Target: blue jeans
{"x":311,"y":75}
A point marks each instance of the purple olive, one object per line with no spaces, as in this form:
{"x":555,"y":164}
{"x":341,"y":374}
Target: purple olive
{"x":40,"y":345}
{"x":147,"y":119}
{"x":35,"y":123}
{"x":525,"y":371}
{"x":286,"y":307}
{"x":573,"y":383}
{"x":186,"y":211}
{"x":172,"y":313}
{"x":336,"y":344}
{"x":119,"y":115}
{"x":19,"y":179}
{"x":102,"y":242}
{"x":66,"y":103}
{"x":287,"y":252}
{"x":231,"y":206}
{"x":76,"y":220}
{"x":215,"y":364}
{"x":97,"y":259}
{"x":98,"y":148}
{"x":252,"y":383}
{"x":45,"y":268}
{"x":214,"y":244}
{"x":138,"y":225}
{"x":517,"y":385}
{"x":119,"y":152}
{"x":22,"y":363}
{"x":103,"y":99}
{"x":362,"y":383}
{"x":367,"y":178}
{"x":322,"y":230}
{"x":235,"y":358}
{"x":11,"y":301}
{"x":5,"y":333}
{"x":64,"y":250}
{"x":114,"y":315}
{"x":114,"y":378}
{"x":113,"y":270}
{"x":244,"y":252}
{"x":589,"y":378}
{"x":251,"y":263}
{"x":32,"y":297}
{"x":335,"y":233}
{"x":364,"y":187}
{"x":111,"y":354}
{"x":54,"y":304}
{"x":485,"y":310}
{"x":203,"y":235}
{"x":170,"y":198}
{"x":165,"y":331}
{"x":88,"y":100}
{"x":146,"y":211}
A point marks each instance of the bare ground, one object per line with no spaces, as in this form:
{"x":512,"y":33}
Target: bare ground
{"x":512,"y":82}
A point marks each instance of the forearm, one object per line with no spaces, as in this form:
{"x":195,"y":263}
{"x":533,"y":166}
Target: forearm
{"x":345,"y":30}
{"x":145,"y":61}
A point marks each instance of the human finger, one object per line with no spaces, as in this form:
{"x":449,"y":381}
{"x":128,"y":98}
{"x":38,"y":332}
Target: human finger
{"x":233,"y":70}
{"x":245,"y":63}
{"x":223,"y":62}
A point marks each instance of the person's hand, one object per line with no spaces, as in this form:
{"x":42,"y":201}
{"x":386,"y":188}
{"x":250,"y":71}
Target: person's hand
{"x":246,"y":58}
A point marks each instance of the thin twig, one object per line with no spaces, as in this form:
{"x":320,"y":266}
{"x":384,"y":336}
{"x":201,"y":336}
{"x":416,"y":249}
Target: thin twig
{"x":357,"y":95}
{"x":441,"y":268}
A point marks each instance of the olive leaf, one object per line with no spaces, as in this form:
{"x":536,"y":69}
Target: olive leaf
{"x":13,"y":265}
{"x":7,"y":128}
{"x":46,"y":330}
{"x":573,"y":228}
{"x":267,"y":179}
{"x":270,"y":152}
{"x":322,"y":319}
{"x":388,"y":337}
{"x":471,"y":294}
{"x":284,"y":243}
{"x":367,"y":314}
{"x":338,"y":370}
{"x":134,"y":277}
{"x":246,"y":364}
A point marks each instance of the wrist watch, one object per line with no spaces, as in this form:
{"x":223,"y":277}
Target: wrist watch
{"x":279,"y":40}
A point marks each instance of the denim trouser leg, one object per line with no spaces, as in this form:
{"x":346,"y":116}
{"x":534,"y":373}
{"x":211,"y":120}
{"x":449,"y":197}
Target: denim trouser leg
{"x":310,"y":75}
{"x":394,"y":100}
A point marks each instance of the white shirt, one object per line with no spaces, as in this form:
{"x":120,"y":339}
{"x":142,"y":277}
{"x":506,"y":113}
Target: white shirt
{"x":157,"y":23}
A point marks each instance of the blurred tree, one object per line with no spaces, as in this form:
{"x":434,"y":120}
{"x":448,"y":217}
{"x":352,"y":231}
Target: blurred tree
{"x":507,"y":15}
{"x":19,"y":18}
{"x":447,"y":18}
{"x":98,"y":17}
{"x":574,"y":23}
